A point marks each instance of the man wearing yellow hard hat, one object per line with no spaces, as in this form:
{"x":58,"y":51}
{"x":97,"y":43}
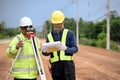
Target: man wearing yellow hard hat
{"x":62,"y":64}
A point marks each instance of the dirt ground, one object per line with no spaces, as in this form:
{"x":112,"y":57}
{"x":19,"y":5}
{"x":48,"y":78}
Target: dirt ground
{"x":91,"y":63}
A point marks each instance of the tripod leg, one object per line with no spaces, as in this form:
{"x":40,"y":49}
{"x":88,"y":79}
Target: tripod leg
{"x":43,"y":77}
{"x":38,"y":59}
{"x":8,"y":75}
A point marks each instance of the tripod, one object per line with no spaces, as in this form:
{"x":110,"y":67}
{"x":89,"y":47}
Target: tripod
{"x":33,"y":39}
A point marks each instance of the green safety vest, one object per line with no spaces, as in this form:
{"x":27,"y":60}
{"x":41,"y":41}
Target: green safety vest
{"x":62,"y":56}
{"x":25,"y":66}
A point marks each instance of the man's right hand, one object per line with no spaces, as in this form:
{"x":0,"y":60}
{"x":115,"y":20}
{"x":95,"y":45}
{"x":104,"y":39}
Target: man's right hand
{"x":19,"y":44}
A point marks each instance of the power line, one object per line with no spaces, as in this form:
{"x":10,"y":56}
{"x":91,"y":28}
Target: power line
{"x":67,"y":5}
{"x":97,"y":11}
{"x":102,"y":8}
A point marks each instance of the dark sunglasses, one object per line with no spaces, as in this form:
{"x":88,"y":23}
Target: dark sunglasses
{"x":30,"y":26}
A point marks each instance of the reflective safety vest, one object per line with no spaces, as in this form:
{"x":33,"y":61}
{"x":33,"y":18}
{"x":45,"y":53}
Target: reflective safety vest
{"x":25,"y":66}
{"x":62,"y":56}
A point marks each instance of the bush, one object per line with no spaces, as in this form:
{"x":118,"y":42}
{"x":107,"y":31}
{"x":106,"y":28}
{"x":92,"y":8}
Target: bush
{"x":86,"y":41}
{"x":101,"y":43}
{"x":113,"y":45}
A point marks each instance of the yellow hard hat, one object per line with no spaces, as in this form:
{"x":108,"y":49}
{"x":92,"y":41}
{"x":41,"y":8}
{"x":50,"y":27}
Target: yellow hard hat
{"x":57,"y":17}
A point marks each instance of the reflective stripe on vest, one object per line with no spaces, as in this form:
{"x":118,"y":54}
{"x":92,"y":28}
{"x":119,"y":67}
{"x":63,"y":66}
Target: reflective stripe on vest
{"x":24,"y":69}
{"x":62,"y":53}
{"x":22,"y":56}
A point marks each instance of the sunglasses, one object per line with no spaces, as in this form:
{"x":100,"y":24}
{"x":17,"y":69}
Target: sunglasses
{"x":30,"y":26}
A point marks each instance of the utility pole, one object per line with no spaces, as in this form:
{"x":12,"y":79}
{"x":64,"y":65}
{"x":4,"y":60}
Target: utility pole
{"x":77,"y":27}
{"x":108,"y":25}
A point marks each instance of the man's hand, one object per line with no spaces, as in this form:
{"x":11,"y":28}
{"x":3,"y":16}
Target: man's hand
{"x":62,"y":47}
{"x":19,"y":44}
{"x":44,"y":50}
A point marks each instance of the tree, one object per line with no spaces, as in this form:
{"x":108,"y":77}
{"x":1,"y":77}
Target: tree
{"x":115,"y":30}
{"x":2,"y":26}
{"x":98,"y":28}
{"x":113,"y":14}
{"x":70,"y":24}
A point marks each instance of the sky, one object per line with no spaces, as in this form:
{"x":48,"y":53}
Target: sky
{"x":11,"y":11}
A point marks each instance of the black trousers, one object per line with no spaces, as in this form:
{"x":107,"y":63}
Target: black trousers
{"x":24,"y":79}
{"x":63,"y":70}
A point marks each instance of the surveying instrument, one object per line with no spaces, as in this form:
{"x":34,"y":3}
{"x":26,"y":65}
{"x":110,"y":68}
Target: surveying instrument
{"x":32,"y":36}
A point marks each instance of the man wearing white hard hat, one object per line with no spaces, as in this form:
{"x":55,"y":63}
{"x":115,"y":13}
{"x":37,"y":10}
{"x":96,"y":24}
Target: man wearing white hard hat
{"x":25,"y":67}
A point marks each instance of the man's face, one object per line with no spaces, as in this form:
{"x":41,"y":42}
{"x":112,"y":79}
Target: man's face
{"x":58,"y":26}
{"x":24,"y":30}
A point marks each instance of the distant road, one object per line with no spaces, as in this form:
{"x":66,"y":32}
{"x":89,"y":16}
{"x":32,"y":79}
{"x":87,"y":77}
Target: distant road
{"x":5,"y":40}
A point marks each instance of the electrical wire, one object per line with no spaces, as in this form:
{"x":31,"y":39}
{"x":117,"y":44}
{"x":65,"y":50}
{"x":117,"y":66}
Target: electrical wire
{"x":68,"y":4}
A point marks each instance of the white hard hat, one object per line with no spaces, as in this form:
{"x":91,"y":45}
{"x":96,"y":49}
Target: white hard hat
{"x":25,"y":21}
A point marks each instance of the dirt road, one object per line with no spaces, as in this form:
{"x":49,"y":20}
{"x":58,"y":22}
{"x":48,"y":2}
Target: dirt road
{"x":91,"y":64}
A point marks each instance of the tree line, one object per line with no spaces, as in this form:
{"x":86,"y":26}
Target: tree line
{"x":90,"y":33}
{"x":7,"y":32}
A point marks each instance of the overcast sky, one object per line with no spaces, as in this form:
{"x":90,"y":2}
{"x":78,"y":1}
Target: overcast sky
{"x":11,"y":11}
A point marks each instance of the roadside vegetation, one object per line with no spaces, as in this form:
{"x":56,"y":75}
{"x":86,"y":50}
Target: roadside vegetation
{"x":90,"y":33}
